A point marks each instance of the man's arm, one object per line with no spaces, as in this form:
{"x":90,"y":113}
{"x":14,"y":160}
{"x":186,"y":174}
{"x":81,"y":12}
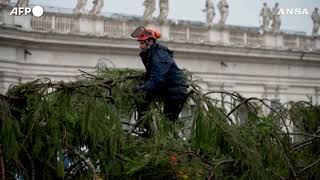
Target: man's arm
{"x":161,"y":62}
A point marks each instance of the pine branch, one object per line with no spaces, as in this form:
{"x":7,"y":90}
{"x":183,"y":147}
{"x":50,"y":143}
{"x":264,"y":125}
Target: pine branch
{"x":88,"y":162}
{"x":310,"y":166}
{"x":91,"y":75}
{"x":219,"y":164}
{"x":196,"y":155}
{"x":299,"y":146}
{"x":285,"y":155}
{"x":76,"y":114}
{"x":306,"y":134}
{"x":2,"y":168}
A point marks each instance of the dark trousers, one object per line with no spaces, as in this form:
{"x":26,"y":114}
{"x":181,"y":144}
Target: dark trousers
{"x":172,"y":108}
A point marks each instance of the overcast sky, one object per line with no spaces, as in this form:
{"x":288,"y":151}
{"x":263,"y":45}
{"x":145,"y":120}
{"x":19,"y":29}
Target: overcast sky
{"x":242,"y":12}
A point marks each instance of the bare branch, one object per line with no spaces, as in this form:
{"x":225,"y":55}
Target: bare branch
{"x":310,"y":166}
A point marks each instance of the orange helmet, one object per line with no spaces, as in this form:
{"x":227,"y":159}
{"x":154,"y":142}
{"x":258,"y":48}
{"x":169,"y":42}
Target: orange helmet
{"x":142,"y":34}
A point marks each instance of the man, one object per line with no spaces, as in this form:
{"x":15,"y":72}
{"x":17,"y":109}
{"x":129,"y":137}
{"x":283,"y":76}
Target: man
{"x":163,"y":77}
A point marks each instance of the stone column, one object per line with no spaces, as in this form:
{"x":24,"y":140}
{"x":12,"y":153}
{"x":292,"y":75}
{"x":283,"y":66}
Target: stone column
{"x":218,"y":35}
{"x":317,"y":43}
{"x":219,"y":86}
{"x":99,"y":26}
{"x":91,"y":25}
{"x":205,"y":86}
{"x":85,"y":24}
{"x":317,"y":95}
{"x":272,"y":40}
{"x":224,"y":36}
{"x":23,"y":21}
{"x":214,"y":35}
{"x":274,"y":91}
{"x":2,"y":90}
{"x":165,"y":31}
{"x":5,"y":16}
{"x":279,"y":40}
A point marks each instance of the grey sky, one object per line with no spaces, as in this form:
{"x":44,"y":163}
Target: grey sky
{"x":242,"y":12}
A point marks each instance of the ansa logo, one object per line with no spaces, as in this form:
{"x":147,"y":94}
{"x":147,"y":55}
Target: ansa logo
{"x":296,"y":11}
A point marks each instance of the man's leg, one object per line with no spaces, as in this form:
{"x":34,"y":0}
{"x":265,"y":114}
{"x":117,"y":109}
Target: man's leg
{"x":173,"y":107}
{"x":142,"y":109}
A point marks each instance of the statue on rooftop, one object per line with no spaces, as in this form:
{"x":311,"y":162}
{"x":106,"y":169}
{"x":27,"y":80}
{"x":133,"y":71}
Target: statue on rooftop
{"x":210,"y":10}
{"x":164,"y":10}
{"x":265,"y":13}
{"x":97,"y":6}
{"x":223,"y":7}
{"x":22,"y":3}
{"x":316,"y":21}
{"x":4,"y":3}
{"x":276,"y":20}
{"x":80,"y":7}
{"x":150,"y":7}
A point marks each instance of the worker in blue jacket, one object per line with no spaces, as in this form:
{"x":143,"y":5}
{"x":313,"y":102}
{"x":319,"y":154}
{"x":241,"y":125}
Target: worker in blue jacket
{"x":163,"y":77}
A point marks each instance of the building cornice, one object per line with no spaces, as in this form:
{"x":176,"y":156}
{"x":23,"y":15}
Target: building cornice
{"x":103,"y":44}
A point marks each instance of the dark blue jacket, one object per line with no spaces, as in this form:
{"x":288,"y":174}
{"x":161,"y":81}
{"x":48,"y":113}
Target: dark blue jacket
{"x":162,"y":73}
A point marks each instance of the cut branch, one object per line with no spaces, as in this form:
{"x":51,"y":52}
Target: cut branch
{"x":310,"y":166}
{"x":2,"y":168}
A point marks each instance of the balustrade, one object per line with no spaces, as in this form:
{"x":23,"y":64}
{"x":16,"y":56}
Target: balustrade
{"x":121,"y":27}
{"x":237,"y":37}
{"x":42,"y":23}
{"x":290,"y":41}
{"x":198,"y":35}
{"x":178,"y":33}
{"x":66,"y":24}
{"x":307,"y":43}
{"x":254,"y":39}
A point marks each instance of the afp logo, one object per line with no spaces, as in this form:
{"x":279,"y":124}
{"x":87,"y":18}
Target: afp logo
{"x":18,"y":11}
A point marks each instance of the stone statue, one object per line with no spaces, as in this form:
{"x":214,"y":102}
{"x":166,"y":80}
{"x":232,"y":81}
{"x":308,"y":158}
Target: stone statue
{"x":4,"y":3}
{"x":97,"y":6}
{"x":276,"y":20}
{"x":22,"y":3}
{"x":316,"y":21}
{"x":224,"y":11}
{"x":164,"y":10}
{"x":210,"y":12}
{"x":80,"y":7}
{"x":265,"y":13}
{"x":150,"y":7}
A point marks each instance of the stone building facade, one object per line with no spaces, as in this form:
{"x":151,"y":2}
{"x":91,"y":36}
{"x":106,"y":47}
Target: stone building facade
{"x":278,"y":66}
